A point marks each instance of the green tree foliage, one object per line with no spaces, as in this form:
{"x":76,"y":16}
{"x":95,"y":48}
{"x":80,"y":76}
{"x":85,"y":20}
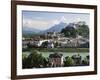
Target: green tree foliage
{"x":69,"y":32}
{"x":35,"y":59}
{"x":68,"y":61}
{"x":86,"y":60}
{"x":83,"y":30}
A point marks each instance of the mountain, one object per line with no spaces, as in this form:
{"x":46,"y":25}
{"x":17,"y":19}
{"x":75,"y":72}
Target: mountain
{"x":28,"y":30}
{"x":56,"y":28}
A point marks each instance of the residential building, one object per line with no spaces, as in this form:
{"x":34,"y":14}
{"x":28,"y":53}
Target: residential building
{"x":56,"y":60}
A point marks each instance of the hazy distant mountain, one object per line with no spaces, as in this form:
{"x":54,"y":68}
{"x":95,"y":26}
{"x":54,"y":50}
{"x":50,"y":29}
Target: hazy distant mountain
{"x":28,"y":30}
{"x":56,"y":28}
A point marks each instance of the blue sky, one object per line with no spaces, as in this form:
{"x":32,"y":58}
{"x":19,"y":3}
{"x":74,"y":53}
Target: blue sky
{"x":44,"y":20}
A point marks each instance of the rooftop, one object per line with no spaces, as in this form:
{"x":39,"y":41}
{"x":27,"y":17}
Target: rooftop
{"x":55,"y":55}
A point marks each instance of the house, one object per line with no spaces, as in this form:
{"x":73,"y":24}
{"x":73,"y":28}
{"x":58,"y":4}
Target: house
{"x":50,"y":44}
{"x":51,"y":34}
{"x":25,"y":43}
{"x":37,"y":43}
{"x":54,"y":35}
{"x":56,"y":60}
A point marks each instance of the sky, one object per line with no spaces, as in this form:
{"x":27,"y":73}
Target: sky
{"x":44,"y":20}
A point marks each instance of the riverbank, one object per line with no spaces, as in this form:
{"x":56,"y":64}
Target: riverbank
{"x":58,"y":49}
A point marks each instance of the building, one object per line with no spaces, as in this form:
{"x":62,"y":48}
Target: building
{"x":50,"y":44}
{"x":54,"y":35}
{"x":56,"y":60}
{"x":37,"y":43}
{"x":25,"y":43}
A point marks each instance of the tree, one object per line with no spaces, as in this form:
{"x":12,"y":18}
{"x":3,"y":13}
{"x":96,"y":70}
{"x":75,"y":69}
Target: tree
{"x":86,"y":60}
{"x":69,"y":31}
{"x":35,"y":59}
{"x":68,"y":61}
{"x":56,"y":44}
{"x":83,"y":30}
{"x":24,"y":62}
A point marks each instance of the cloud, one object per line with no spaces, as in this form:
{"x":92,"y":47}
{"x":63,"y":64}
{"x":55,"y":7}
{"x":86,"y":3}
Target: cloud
{"x":42,"y":24}
{"x":38,"y":18}
{"x":39,"y":23}
{"x":62,"y":19}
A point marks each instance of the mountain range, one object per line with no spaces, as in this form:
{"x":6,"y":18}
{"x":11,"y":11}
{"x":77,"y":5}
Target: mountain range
{"x":56,"y":28}
{"x":29,"y":30}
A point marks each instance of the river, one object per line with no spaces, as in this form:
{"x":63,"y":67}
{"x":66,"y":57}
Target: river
{"x":46,"y":54}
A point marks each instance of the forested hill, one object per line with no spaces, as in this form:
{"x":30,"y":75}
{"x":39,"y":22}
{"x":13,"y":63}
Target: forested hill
{"x":72,"y":30}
